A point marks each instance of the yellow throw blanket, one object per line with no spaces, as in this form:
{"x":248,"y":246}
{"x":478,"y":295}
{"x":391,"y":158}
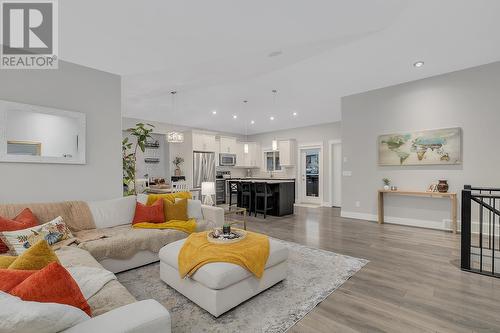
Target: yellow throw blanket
{"x":250,"y":253}
{"x":188,"y":226}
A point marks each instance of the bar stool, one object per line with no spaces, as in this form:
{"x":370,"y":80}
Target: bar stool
{"x":263,"y":191}
{"x":233,"y":189}
{"x":245,"y":189}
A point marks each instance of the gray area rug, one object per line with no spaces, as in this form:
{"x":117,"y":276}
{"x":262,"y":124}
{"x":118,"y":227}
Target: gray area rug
{"x":313,"y":275}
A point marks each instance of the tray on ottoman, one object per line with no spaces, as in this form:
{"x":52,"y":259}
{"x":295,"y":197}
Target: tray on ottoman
{"x":218,"y":287}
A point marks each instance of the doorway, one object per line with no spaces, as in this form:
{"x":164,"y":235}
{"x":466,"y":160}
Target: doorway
{"x":311,"y":174}
{"x":335,"y":183}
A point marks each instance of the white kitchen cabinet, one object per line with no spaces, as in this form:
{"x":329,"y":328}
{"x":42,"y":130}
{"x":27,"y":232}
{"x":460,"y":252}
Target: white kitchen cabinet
{"x":251,"y":159}
{"x":204,"y":142}
{"x":288,"y":152}
{"x":228,"y":145}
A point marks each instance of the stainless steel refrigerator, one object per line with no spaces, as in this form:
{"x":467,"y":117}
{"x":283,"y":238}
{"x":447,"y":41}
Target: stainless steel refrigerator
{"x":203,"y":168}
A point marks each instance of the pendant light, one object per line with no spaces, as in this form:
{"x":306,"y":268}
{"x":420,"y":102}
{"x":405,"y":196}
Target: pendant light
{"x":274,"y":143}
{"x":245,"y":145}
{"x":173,"y":136}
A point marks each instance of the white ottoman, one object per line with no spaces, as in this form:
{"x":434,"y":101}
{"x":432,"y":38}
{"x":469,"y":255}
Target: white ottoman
{"x":219,"y":287}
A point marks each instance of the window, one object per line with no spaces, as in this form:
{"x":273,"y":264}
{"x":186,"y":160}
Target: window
{"x":272,"y":160}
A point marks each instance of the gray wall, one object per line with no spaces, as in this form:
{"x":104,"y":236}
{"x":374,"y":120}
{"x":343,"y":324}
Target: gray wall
{"x":74,"y":88}
{"x":469,"y":99}
{"x":304,"y":135}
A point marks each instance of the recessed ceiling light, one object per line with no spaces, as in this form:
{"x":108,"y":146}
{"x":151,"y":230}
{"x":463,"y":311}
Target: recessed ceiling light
{"x":235,"y":116}
{"x":252,"y":122}
{"x":272,"y":118}
{"x":418,"y":64}
{"x":295,"y":114}
{"x":214,"y":112}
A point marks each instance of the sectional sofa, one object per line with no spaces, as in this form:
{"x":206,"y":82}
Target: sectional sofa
{"x":107,"y":240}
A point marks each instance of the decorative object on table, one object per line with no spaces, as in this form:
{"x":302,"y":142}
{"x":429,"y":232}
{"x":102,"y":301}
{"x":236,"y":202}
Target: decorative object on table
{"x":177,"y":162}
{"x":142,"y":133}
{"x":443,"y":186}
{"x":394,"y":188}
{"x":432,"y":188}
{"x":441,"y":146}
{"x":226,"y":229}
{"x":207,"y":190}
{"x":386,"y":182}
{"x":218,"y":236}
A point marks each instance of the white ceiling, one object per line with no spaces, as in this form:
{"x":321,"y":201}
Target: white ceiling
{"x":216,"y":53}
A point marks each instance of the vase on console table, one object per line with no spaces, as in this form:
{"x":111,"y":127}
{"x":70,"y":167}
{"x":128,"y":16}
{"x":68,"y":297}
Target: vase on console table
{"x":443,"y":186}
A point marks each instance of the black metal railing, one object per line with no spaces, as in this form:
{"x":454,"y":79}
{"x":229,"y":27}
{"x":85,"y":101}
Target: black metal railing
{"x":480,"y":251}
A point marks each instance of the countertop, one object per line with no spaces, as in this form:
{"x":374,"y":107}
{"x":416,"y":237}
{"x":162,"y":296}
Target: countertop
{"x":265,"y":180}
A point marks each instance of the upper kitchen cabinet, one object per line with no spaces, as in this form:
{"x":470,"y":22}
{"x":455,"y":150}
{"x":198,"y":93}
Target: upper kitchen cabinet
{"x":248,"y":159}
{"x":204,"y":142}
{"x":288,"y":151}
{"x":228,"y":145}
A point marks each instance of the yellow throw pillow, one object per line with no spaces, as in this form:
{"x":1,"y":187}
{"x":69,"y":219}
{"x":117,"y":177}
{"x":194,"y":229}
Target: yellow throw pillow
{"x":5,"y":261}
{"x":170,"y":197}
{"x":36,"y":257}
{"x":175,"y":210}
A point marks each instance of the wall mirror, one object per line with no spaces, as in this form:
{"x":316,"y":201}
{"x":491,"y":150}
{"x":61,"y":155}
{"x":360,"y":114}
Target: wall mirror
{"x":36,"y":134}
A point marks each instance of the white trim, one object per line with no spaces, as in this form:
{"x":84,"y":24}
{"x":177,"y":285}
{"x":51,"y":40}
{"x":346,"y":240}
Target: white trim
{"x":310,"y":145}
{"x":331,"y":143}
{"x":438,"y":225}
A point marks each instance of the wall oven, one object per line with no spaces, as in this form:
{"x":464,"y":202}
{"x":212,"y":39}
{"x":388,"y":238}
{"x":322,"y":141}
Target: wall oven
{"x":227,"y":159}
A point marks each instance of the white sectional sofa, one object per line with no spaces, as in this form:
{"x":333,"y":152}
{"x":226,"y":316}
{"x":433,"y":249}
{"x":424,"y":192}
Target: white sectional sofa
{"x":117,"y":247}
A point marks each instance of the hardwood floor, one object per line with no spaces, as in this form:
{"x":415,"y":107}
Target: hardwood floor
{"x":412,"y":284}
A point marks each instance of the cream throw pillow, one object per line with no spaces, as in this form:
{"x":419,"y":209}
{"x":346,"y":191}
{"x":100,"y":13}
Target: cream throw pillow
{"x":20,"y":240}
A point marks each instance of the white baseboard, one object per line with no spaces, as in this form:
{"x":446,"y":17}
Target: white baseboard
{"x":438,"y":225}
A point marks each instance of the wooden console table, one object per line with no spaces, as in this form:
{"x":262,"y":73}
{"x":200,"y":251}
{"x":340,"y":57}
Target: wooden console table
{"x":452,"y":196}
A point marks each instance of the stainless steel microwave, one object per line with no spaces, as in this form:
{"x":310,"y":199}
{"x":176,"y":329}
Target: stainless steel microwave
{"x":227,"y":159}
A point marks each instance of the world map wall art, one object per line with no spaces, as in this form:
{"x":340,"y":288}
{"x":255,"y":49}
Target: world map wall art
{"x":440,"y":146}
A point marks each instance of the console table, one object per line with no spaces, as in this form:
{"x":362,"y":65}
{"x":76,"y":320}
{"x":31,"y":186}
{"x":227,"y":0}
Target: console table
{"x":451,"y":195}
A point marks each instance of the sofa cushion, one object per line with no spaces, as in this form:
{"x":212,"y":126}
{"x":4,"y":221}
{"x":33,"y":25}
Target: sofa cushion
{"x":193,"y":208}
{"x":152,"y":214}
{"x":110,"y":213}
{"x":122,"y":242}
{"x":34,"y":317}
{"x":113,"y":295}
{"x":168,"y":196}
{"x":220,"y":275}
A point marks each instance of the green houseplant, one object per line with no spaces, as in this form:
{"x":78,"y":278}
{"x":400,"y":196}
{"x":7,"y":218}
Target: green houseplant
{"x":386,"y":182}
{"x":141,"y":132}
{"x":177,"y":162}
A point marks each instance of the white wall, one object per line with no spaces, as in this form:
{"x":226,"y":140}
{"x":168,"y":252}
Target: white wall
{"x":469,"y":99}
{"x":304,"y":135}
{"x":74,"y":88}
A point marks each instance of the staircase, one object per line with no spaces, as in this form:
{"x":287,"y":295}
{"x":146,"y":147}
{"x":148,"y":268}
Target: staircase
{"x":480,"y":252}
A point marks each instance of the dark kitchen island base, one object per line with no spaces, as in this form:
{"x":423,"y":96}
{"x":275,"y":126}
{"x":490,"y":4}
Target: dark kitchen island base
{"x":283,"y":195}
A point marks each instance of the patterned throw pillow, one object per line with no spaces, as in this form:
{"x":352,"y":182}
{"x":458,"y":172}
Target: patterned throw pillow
{"x":21,"y":240}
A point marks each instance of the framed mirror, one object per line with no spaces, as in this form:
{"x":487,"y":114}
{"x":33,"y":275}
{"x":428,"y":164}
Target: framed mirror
{"x":36,"y":134}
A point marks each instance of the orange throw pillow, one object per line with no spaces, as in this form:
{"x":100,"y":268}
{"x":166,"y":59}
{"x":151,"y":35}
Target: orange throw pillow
{"x":9,"y":278}
{"x":153,"y":213}
{"x":23,"y":220}
{"x":53,"y":284}
{"x":176,"y":211}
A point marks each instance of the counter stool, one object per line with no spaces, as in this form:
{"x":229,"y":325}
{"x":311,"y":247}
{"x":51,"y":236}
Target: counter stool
{"x":263,"y":191}
{"x":233,"y":189}
{"x":246,"y":195}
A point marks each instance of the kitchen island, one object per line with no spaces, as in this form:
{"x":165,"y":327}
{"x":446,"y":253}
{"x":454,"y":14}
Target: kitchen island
{"x":283,"y":194}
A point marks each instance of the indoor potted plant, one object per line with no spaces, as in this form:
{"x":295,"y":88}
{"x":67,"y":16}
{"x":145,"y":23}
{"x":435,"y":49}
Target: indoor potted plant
{"x":177,"y":162}
{"x":387,"y":183}
{"x":142,"y":133}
